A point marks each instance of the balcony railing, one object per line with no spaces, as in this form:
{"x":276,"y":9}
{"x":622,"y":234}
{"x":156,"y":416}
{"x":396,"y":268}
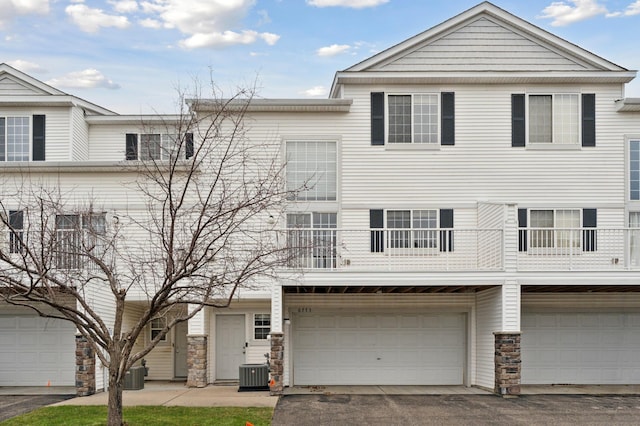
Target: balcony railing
{"x":578,"y":249}
{"x":396,"y":249}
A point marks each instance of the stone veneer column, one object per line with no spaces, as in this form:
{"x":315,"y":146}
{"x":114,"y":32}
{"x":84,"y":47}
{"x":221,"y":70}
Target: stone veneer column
{"x":276,"y":360}
{"x":197,"y":361}
{"x":85,"y":367}
{"x":507,"y":364}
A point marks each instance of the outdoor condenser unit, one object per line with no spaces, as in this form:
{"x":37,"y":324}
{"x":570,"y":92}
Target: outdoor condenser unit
{"x":254,"y":377}
{"x":134,"y":378}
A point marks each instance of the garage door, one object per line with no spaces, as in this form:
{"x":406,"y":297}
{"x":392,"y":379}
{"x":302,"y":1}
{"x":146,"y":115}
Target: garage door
{"x":378,"y":349}
{"x":36,"y":351}
{"x":580,"y":348}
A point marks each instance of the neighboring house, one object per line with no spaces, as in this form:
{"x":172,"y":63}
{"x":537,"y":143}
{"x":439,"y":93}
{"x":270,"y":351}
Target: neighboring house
{"x":471,"y":217}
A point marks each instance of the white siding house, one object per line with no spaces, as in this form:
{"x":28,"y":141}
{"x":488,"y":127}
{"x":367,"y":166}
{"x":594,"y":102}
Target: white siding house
{"x":470,"y":216}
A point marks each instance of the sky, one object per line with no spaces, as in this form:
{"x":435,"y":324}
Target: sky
{"x":136,"y":57}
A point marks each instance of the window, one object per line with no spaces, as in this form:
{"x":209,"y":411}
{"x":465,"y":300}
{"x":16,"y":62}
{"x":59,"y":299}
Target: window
{"x":634,"y":170}
{"x":311,"y":170}
{"x":261,"y":326}
{"x":78,"y":236}
{"x":14,"y":138}
{"x":158,"y":146}
{"x":419,"y":221}
{"x":312,"y":238}
{"x":16,"y":233}
{"x":563,"y":228}
{"x":413,"y":118}
{"x":554,"y":119}
{"x":156,"y":326}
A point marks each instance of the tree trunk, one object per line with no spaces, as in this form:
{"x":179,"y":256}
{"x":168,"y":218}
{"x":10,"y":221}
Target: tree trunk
{"x":114,"y":417}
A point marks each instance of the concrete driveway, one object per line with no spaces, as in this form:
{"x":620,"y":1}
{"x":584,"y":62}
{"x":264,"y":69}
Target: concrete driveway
{"x":388,"y":410}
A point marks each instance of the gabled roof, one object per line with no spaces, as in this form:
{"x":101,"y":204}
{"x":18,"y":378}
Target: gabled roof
{"x":18,"y":88}
{"x":484,"y":44}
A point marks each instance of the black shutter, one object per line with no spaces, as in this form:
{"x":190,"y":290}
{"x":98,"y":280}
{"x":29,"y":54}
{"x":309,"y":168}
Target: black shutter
{"x":188,"y":141}
{"x":132,"y":146}
{"x":376,"y":221}
{"x":522,"y":233}
{"x":448,"y":131}
{"x":446,"y":237}
{"x":16,"y":219}
{"x":38,"y":138}
{"x":377,"y":118}
{"x":589,"y":237}
{"x":588,"y":119}
{"x":517,"y":120}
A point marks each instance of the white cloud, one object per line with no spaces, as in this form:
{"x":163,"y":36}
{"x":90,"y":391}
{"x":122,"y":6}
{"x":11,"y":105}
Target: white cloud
{"x":207,"y":23}
{"x":26,"y":66}
{"x":91,"y":20}
{"x":124,"y":6}
{"x":315,"y":91}
{"x":227,"y":38}
{"x":150,"y":23}
{"x":12,"y":8}
{"x":632,"y":10}
{"x":565,"y":13}
{"x":333,"y":50}
{"x":86,"y":79}
{"x":356,"y":4}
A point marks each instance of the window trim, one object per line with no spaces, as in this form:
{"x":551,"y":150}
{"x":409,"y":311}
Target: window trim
{"x":165,"y":339}
{"x":29,"y":138}
{"x":413,"y":145}
{"x":256,"y":327}
{"x":552,"y":144}
{"x":554,"y":229}
{"x":330,"y":204}
{"x":628,"y":170}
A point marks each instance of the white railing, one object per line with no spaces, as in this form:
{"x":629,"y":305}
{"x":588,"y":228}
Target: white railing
{"x":396,"y":249}
{"x":578,"y":249}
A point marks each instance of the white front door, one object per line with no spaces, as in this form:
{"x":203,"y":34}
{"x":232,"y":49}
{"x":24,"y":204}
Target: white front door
{"x":180,"y":350}
{"x":230,"y":346}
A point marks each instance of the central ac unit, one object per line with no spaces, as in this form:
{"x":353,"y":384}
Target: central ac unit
{"x":254,"y":377}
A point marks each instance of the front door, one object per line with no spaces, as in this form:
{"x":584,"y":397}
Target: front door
{"x":230,"y":346}
{"x":180,"y":350}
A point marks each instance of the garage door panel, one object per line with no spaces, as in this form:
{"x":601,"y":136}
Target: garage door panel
{"x":583,"y":348}
{"x":36,"y":351}
{"x":379,"y":349}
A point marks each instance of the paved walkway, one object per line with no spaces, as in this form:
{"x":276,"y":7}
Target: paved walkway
{"x":176,"y":394}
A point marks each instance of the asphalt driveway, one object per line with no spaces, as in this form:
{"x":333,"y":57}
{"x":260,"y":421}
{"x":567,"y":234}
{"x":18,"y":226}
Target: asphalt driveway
{"x":456,"y":409}
{"x":15,"y":405}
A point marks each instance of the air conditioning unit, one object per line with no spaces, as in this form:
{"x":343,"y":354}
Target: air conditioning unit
{"x":254,"y":377}
{"x":134,"y":378}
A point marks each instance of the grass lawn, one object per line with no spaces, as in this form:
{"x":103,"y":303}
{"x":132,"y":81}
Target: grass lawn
{"x":148,"y":416}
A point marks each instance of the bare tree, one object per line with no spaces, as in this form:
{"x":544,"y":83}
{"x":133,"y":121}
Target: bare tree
{"x":203,"y":232}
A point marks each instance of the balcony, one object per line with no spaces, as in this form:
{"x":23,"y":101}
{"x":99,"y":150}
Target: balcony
{"x":396,"y":249}
{"x":583,"y":249}
{"x":464,"y":250}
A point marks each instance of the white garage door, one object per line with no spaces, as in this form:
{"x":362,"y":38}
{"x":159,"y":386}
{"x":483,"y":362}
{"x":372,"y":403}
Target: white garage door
{"x":36,"y":351}
{"x":580,"y":348}
{"x":378,"y":349}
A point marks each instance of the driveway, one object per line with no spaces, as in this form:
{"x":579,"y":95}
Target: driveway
{"x":456,"y":409}
{"x":14,"y":405}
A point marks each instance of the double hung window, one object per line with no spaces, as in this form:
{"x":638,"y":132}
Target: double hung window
{"x":261,"y":326}
{"x":158,"y":146}
{"x":554,"y":119}
{"x":555,"y":228}
{"x":634,"y":170}
{"x":156,"y":326}
{"x":413,"y":118}
{"x":16,"y":231}
{"x":15,"y":138}
{"x":420,"y":228}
